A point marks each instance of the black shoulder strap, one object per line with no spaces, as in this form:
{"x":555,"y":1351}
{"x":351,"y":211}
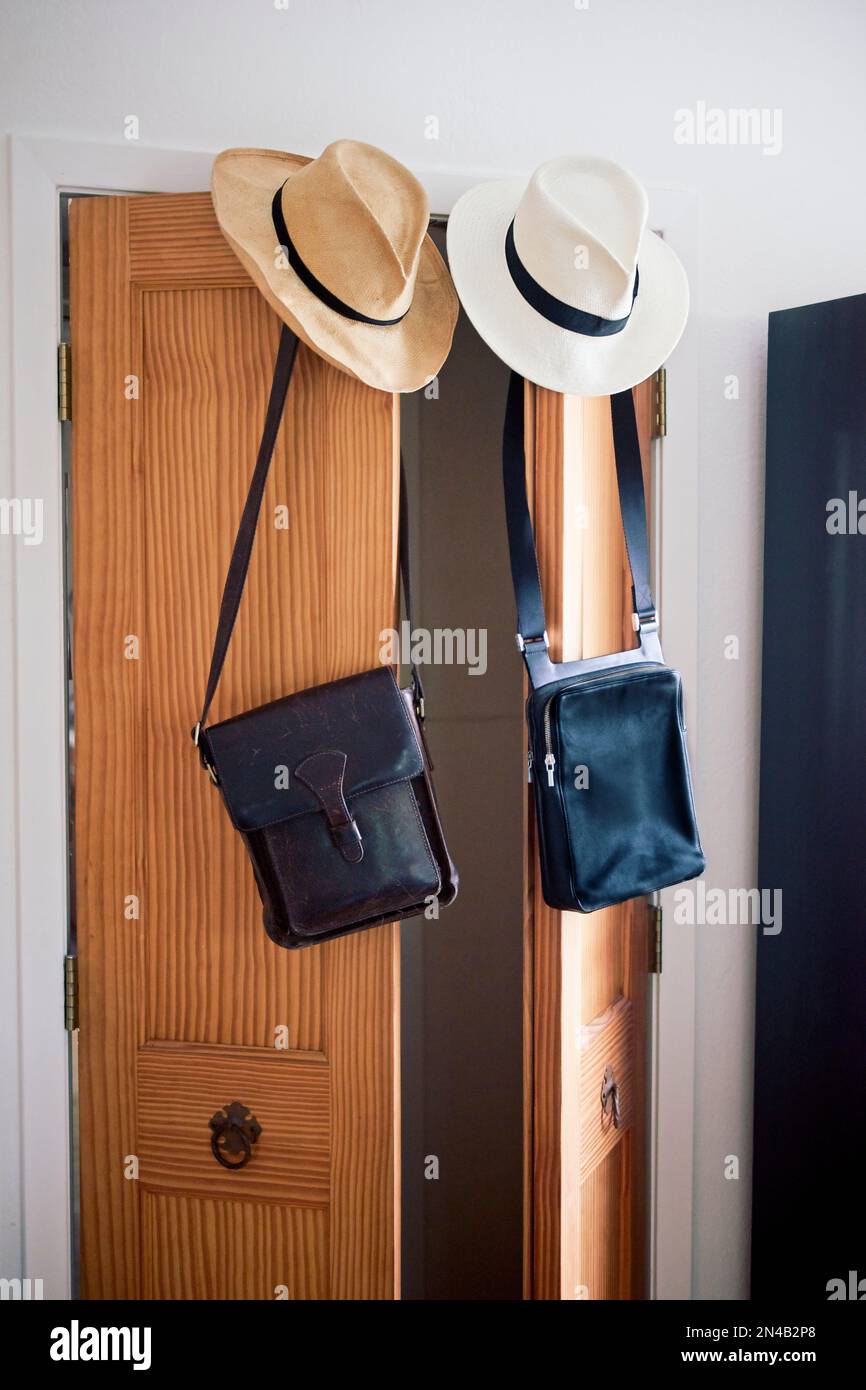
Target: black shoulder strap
{"x":531,"y":626}
{"x":240,"y":559}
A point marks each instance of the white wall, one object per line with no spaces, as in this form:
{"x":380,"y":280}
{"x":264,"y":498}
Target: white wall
{"x":512,"y":84}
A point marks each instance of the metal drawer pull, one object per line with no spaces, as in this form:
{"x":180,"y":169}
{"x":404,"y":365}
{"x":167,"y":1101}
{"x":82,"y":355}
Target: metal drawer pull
{"x":235,"y":1130}
{"x":610,"y":1107}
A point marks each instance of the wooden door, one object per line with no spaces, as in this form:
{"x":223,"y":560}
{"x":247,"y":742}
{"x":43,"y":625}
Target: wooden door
{"x":185,"y":1004}
{"x":586,"y":976}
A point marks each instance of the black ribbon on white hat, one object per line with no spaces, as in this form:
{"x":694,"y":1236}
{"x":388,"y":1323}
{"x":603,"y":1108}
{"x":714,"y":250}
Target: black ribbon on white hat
{"x":556,"y":310}
{"x":306,"y":276}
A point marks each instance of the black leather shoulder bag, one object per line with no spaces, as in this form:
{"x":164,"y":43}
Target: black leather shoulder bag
{"x":607,"y":754}
{"x":330,"y":788}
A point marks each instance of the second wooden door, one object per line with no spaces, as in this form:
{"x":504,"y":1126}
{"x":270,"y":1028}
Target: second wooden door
{"x":586,"y":976}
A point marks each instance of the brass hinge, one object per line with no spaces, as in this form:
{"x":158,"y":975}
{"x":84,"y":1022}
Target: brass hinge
{"x":654,"y":953}
{"x":64,"y":381}
{"x":70,"y":990}
{"x":660,"y":403}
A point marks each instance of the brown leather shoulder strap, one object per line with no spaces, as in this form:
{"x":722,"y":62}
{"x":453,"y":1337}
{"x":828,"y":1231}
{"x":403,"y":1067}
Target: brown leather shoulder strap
{"x":240,"y":559}
{"x":243,"y":548}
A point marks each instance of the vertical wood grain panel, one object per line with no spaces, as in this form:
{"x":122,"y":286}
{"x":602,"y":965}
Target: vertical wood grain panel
{"x":212,"y":974}
{"x":605,"y":1256}
{"x":109,"y":863}
{"x":200,"y":1247}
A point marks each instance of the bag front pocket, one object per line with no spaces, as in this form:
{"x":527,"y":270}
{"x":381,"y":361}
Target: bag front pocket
{"x":318,"y":889}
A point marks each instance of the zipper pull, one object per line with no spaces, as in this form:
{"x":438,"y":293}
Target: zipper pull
{"x":550,"y":764}
{"x":529,"y":766}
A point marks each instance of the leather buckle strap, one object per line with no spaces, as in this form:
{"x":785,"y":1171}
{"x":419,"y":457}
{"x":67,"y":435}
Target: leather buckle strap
{"x":323,"y":773}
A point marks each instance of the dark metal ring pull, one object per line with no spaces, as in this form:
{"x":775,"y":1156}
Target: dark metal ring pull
{"x":610,"y":1107}
{"x":235,"y":1130}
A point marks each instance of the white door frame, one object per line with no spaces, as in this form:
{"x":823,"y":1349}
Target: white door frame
{"x":33,"y":812}
{"x":33,"y":694}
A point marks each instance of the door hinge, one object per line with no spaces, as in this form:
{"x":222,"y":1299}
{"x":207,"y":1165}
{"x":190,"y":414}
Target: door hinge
{"x":660,"y":403}
{"x":70,"y":991}
{"x":64,"y":381}
{"x":654,"y":953}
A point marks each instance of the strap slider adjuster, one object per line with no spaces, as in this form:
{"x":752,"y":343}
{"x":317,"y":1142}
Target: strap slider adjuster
{"x":645,"y":622}
{"x":531,"y":642}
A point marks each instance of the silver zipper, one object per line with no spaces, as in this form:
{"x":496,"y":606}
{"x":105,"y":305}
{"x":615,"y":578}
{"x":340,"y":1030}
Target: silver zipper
{"x":529,"y":766}
{"x":606,"y":674}
{"x":680,"y":711}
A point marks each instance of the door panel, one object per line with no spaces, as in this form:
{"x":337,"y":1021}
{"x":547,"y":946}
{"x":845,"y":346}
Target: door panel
{"x":186,"y":1005}
{"x":607,"y":1040}
{"x":586,"y":976}
{"x":175,"y":1085}
{"x":202,"y":1248}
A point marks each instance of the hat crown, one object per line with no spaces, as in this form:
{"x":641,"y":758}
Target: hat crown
{"x":577,"y":230}
{"x":358,"y":219}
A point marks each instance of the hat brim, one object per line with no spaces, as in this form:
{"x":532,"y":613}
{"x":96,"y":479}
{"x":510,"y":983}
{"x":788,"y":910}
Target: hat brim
{"x":550,"y":356}
{"x":402,"y":357}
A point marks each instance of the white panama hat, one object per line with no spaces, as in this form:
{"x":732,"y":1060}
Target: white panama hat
{"x":564,"y":281}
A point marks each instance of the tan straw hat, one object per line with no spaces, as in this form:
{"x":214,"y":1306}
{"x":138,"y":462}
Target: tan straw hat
{"x":339,"y":248}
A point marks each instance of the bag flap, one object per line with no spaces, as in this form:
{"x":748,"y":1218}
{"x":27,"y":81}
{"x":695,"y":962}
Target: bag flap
{"x":256,"y":754}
